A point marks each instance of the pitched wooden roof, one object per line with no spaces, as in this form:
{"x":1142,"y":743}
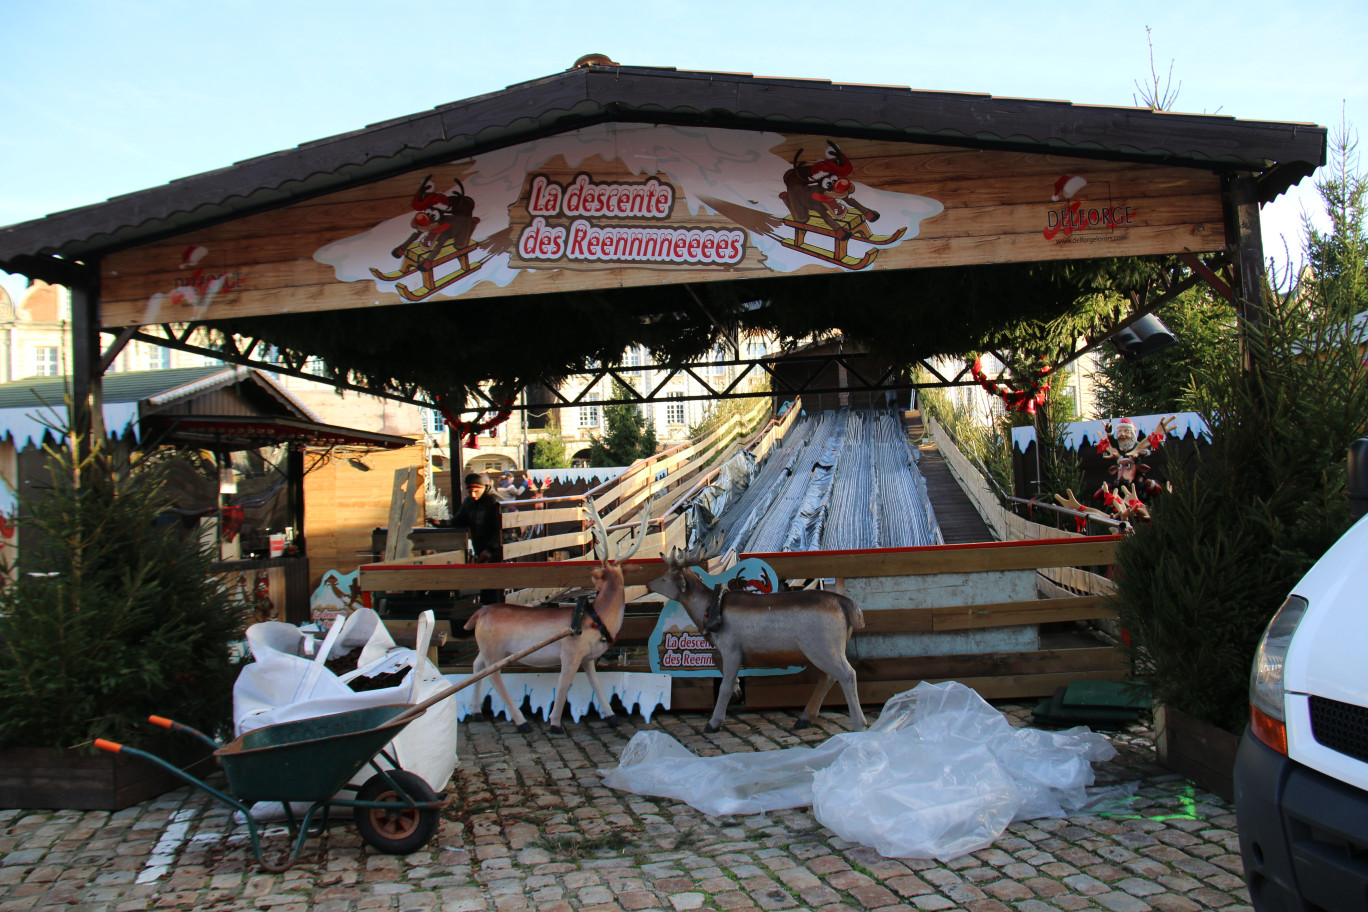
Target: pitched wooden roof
{"x":1280,"y":154}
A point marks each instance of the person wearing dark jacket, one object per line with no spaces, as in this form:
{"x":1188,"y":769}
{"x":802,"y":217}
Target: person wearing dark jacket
{"x":479,"y":513}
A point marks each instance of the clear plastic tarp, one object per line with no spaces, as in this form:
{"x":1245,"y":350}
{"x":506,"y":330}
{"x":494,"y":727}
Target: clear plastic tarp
{"x":940,"y":774}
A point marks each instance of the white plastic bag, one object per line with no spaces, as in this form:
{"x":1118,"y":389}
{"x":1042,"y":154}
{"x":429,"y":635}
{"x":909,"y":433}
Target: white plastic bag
{"x":282,"y":685}
{"x":941,"y":773}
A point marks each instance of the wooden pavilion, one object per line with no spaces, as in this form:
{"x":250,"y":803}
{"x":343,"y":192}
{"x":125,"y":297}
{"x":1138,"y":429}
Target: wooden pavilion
{"x":610,"y":205}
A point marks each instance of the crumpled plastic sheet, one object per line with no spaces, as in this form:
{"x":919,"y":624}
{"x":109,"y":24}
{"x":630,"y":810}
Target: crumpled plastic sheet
{"x":940,"y":774}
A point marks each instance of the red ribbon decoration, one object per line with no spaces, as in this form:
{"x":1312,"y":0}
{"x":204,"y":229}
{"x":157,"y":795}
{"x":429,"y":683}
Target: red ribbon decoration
{"x":1023,"y":400}
{"x":470,"y":430}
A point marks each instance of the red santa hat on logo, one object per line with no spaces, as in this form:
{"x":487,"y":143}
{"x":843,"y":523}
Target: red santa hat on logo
{"x":1067,"y":186}
{"x":191,"y":256}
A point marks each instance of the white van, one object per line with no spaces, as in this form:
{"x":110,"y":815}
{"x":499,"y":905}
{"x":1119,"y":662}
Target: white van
{"x":1301,"y":776}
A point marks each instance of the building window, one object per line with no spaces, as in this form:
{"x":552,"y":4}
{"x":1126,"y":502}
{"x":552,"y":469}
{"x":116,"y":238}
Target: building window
{"x":158,"y":358}
{"x":674,"y":408}
{"x":589,"y":414}
{"x":635,"y":357}
{"x":719,"y":354}
{"x":433,"y":422}
{"x":45,"y":361}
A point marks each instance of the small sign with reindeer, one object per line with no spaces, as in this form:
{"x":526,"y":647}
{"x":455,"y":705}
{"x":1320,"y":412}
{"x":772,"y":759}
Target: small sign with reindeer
{"x":678,"y":647}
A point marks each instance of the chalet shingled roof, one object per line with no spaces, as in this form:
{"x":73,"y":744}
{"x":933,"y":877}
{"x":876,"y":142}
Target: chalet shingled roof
{"x":120,"y":386}
{"x":31,"y":407}
{"x":1279,"y":154}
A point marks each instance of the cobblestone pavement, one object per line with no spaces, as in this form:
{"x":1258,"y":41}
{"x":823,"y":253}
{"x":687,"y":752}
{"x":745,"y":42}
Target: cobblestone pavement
{"x":533,"y":828}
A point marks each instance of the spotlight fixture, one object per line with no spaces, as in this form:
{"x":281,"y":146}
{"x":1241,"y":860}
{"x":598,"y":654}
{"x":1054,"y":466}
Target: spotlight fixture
{"x":1145,"y":336}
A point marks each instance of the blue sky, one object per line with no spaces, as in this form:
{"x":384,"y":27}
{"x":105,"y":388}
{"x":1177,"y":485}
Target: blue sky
{"x":103,"y":98}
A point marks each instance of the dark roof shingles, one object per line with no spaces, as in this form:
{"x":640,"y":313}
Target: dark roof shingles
{"x":642,"y":94}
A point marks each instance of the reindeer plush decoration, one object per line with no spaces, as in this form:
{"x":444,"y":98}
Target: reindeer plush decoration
{"x":502,"y":629}
{"x":1127,"y":447}
{"x":776,"y":629}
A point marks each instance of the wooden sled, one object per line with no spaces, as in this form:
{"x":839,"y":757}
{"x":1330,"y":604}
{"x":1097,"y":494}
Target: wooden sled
{"x":431,"y":284}
{"x":858,"y":230}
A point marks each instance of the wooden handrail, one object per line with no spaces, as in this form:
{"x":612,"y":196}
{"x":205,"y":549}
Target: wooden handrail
{"x":619,"y":497}
{"x":988,"y":556}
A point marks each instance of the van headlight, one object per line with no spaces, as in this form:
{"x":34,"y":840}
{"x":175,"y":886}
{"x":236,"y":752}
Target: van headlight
{"x":1266,"y":688}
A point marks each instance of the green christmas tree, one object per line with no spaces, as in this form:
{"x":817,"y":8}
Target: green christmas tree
{"x":627,"y":434}
{"x":127,"y":620}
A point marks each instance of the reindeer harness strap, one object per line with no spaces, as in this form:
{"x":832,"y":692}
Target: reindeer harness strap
{"x":712,"y":621}
{"x":597,"y":621}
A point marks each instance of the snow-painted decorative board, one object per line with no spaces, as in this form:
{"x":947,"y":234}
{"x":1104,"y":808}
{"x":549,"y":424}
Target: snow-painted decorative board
{"x":637,"y":691}
{"x":619,"y":205}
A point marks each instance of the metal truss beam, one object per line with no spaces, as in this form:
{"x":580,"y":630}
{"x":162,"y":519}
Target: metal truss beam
{"x":789,"y":375}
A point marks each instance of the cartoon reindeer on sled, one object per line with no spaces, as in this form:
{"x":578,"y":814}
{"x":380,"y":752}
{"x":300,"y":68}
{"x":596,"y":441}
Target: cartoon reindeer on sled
{"x":821,"y":200}
{"x":443,"y":225}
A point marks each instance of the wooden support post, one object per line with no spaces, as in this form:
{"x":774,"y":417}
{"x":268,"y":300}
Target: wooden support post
{"x":1246,"y":251}
{"x":457,"y":467}
{"x":295,"y":473}
{"x":87,"y":399}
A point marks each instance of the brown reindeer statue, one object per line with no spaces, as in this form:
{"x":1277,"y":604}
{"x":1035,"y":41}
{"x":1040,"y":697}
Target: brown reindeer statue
{"x":502,"y":629}
{"x":773,"y":630}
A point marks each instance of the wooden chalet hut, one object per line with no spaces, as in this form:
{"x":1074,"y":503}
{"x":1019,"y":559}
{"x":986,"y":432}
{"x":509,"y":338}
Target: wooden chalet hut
{"x":242,"y":442}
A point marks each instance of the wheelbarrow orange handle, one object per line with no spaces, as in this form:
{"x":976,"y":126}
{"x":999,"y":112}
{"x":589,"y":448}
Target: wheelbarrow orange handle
{"x":112,"y":746}
{"x":173,"y":725}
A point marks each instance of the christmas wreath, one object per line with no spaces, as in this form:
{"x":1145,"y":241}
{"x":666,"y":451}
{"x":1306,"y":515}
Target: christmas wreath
{"x":1027,"y":399}
{"x":470,"y":430}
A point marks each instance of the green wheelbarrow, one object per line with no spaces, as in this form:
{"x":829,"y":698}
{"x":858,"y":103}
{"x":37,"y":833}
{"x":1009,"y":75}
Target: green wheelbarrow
{"x":310,"y":761}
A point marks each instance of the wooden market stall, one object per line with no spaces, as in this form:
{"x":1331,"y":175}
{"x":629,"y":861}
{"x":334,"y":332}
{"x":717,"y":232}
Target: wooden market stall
{"x":241,"y":442}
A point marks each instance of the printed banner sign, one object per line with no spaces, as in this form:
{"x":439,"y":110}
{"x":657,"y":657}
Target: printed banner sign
{"x":622,"y":205}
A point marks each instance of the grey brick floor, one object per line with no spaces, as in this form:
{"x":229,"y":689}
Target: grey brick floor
{"x":532,"y":828}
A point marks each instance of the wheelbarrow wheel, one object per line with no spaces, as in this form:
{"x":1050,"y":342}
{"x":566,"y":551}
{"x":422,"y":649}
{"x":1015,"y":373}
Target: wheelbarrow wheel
{"x":399,"y":830}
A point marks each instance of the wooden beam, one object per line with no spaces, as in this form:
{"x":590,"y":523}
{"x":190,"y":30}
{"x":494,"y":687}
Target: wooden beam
{"x":974,"y":617}
{"x":1003,"y":675}
{"x":412,"y":576}
{"x":403,"y":513}
{"x":993,"y":687}
{"x":112,"y":352}
{"x":1204,"y":271}
{"x":86,"y":416}
{"x":1016,"y":555}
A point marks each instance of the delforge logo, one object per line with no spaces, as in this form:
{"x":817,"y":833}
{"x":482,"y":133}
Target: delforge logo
{"x":1077,"y":216}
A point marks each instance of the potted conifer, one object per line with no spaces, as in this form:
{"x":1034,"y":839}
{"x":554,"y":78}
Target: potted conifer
{"x":112,"y":616}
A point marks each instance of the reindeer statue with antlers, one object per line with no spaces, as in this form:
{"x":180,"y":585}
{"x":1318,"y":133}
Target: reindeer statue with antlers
{"x":502,"y":630}
{"x":772,"y":630}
